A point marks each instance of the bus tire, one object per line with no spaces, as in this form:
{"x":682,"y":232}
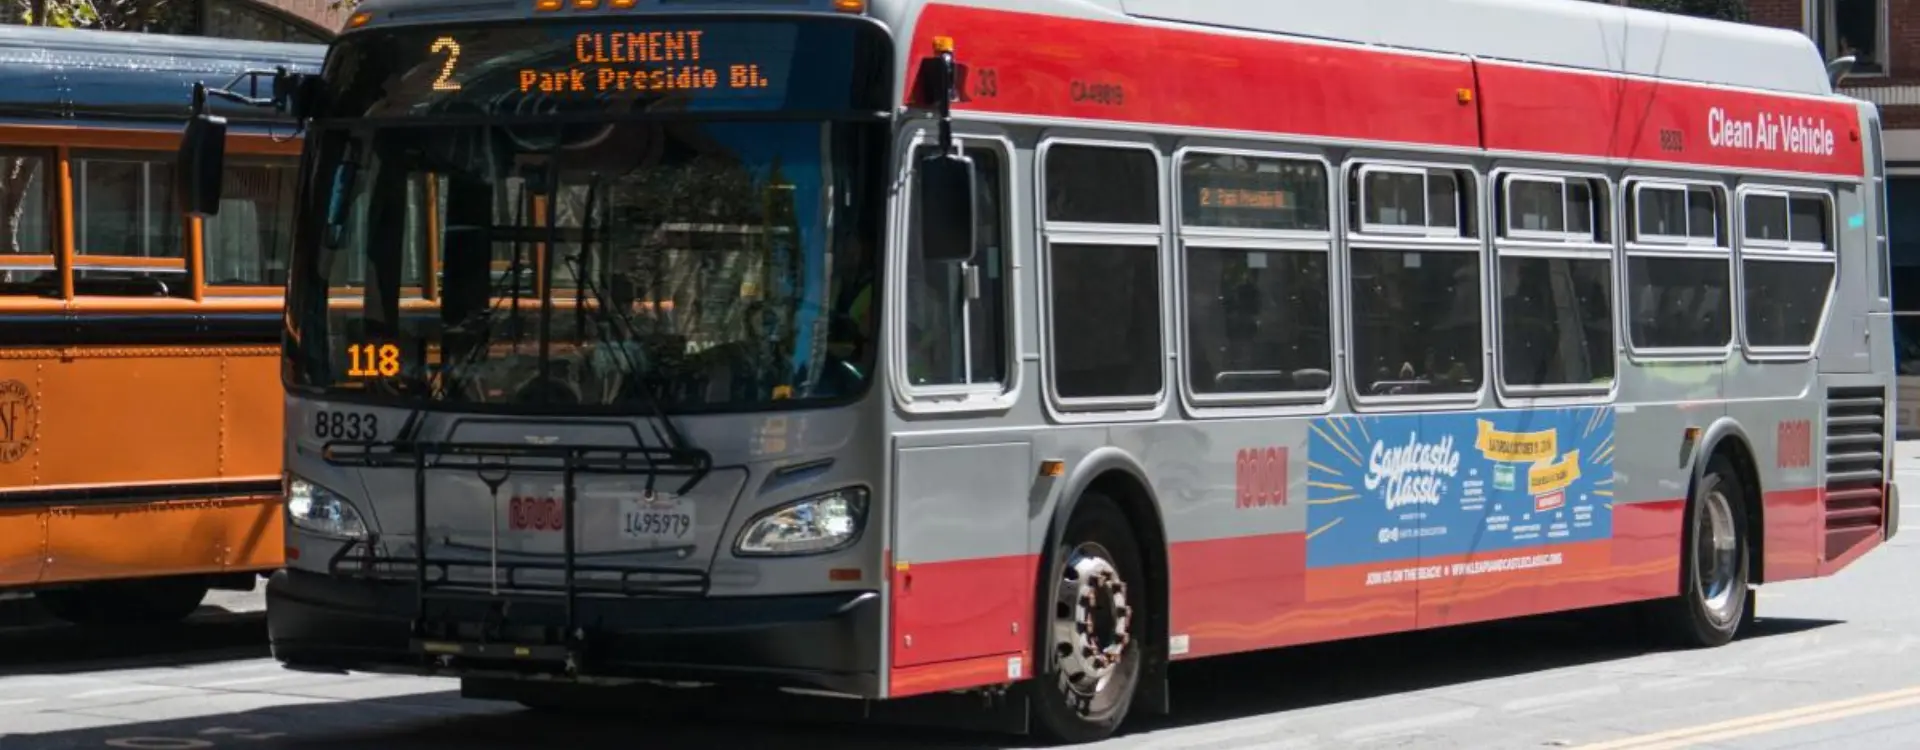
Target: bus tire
{"x":1715,"y":595}
{"x":1090,"y":630}
{"x":149,"y":602}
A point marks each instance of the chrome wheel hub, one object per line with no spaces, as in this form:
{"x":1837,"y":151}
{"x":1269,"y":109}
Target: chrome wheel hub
{"x":1716,"y":560}
{"x":1091,"y":620}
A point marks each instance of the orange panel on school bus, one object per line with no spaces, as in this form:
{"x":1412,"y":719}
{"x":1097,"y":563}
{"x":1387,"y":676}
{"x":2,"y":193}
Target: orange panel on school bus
{"x":186,"y":536}
{"x":255,"y":407}
{"x":108,"y":416}
{"x":21,"y":540}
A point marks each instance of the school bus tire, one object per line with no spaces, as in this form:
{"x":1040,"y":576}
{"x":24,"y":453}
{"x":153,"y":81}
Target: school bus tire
{"x":1091,"y":655}
{"x":1716,"y":596}
{"x":141,"y":602}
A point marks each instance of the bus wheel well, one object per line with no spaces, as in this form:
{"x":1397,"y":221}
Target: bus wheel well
{"x":1737,"y":452}
{"x":1137,"y":503}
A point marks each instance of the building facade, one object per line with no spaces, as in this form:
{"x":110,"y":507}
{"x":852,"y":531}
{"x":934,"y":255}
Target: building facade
{"x":311,"y":21}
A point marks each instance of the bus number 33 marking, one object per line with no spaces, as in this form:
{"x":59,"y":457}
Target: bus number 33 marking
{"x":337,"y":425}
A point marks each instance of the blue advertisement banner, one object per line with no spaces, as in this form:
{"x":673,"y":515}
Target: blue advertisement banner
{"x":1397,"y":487}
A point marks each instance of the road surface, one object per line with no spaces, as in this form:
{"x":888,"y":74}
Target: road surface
{"x":1832,"y":663}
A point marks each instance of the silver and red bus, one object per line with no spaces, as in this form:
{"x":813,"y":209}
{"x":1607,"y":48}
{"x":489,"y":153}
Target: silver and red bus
{"x":890,"y":348}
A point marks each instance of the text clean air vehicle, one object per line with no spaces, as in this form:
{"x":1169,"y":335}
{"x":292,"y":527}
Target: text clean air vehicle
{"x":139,"y":346}
{"x":716,"y":343}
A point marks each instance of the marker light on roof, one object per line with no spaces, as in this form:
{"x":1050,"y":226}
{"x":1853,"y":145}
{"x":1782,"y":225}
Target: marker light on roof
{"x":546,"y":4}
{"x":850,"y":6}
{"x":586,"y":4}
{"x":359,"y":19}
{"x":624,"y":4}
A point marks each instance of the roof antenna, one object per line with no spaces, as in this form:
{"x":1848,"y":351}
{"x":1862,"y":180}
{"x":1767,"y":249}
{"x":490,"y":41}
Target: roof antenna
{"x":1839,"y":68}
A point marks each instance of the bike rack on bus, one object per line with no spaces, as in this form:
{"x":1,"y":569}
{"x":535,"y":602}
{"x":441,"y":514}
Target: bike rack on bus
{"x":494,"y":462}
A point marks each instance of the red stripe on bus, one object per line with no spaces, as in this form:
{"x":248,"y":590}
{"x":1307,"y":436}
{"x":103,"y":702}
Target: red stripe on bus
{"x":1255,"y":592}
{"x":1153,"y":75}
{"x":1792,"y":548}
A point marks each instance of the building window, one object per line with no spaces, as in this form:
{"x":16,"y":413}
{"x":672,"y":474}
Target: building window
{"x":1853,"y":27}
{"x":229,"y":19}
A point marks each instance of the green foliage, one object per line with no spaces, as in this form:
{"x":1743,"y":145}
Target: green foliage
{"x":154,"y":16}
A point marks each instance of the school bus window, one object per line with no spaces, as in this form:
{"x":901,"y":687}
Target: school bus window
{"x":247,"y":243}
{"x":26,"y":205}
{"x":124,"y":206}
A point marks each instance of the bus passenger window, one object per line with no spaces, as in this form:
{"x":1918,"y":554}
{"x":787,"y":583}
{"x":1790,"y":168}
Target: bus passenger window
{"x":1258,"y":318}
{"x":1416,"y":311}
{"x":1679,"y":268}
{"x":248,"y":241}
{"x":27,"y":215}
{"x":955,"y":338}
{"x":124,"y":206}
{"x":1103,"y":282}
{"x":1555,"y":283}
{"x":1787,"y":267}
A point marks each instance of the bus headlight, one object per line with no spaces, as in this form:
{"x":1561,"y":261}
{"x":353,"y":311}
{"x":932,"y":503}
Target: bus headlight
{"x":322,"y":511}
{"x":821,"y":523}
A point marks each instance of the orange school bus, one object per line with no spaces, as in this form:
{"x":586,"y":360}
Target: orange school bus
{"x":140,"y":419}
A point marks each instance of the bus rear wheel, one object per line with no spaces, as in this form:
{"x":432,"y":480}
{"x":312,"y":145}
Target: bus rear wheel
{"x":148,"y":602}
{"x":1715,"y":597}
{"x":1090,"y":629}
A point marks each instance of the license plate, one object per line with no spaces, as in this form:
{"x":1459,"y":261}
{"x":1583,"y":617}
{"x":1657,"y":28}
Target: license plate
{"x":660,"y":518}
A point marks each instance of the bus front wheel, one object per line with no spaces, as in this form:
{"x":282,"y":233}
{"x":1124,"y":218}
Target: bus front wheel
{"x":1715,"y":597}
{"x":147,"y":602}
{"x":1090,"y":627}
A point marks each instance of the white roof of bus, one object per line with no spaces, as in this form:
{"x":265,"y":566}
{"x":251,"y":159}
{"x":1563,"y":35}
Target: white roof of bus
{"x":1564,"y":33}
{"x":1585,"y":34}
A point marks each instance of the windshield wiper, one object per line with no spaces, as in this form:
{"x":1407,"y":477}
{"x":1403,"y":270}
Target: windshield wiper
{"x":663,"y":429}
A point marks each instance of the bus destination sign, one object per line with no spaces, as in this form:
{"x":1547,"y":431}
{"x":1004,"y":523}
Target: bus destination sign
{"x":642,"y":61}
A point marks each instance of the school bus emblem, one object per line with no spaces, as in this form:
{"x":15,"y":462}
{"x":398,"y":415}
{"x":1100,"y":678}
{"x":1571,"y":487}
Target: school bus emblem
{"x":19,"y":420}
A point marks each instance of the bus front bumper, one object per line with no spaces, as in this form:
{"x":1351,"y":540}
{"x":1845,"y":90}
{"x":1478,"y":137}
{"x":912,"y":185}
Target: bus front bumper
{"x":825,"y":642}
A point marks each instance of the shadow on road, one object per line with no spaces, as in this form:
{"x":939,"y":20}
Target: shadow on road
{"x":1207,"y":691}
{"x":31,"y":642}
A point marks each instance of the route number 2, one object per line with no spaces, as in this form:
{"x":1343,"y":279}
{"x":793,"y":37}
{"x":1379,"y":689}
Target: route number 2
{"x":447,"y":45}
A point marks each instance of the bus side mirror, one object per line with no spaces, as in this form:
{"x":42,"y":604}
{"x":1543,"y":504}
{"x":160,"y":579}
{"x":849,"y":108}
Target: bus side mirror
{"x":946,"y":196}
{"x":200,"y":167}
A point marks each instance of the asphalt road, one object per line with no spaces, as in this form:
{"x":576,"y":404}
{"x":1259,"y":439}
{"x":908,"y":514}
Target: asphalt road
{"x":1833,"y":663}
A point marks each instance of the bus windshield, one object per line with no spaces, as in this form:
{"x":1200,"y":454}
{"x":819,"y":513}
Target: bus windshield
{"x":677,"y":215}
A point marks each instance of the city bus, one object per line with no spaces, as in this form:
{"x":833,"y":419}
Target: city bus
{"x":883,"y":349}
{"x":139,"y":347}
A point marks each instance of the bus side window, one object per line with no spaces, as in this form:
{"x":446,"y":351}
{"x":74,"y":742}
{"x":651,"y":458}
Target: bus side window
{"x":1679,"y":267}
{"x":127,"y":235}
{"x":955,"y":336}
{"x":247,"y":243}
{"x":27,"y":216}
